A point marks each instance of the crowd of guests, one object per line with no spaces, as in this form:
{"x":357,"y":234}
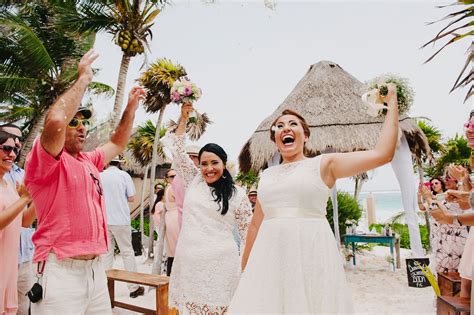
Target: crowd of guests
{"x":215,"y":229}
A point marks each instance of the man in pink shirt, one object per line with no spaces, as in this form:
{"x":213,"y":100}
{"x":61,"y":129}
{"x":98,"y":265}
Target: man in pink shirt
{"x":65,"y":185}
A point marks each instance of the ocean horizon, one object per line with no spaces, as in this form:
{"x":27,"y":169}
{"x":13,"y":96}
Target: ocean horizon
{"x":387,"y":203}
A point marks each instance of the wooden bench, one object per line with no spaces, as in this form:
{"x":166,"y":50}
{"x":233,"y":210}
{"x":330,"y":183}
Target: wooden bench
{"x":452,"y":305}
{"x":160,"y":283}
{"x":449,"y":283}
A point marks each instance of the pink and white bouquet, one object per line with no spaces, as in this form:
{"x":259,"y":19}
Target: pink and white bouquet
{"x":185,"y":91}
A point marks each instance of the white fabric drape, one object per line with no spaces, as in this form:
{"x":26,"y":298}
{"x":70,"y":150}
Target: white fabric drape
{"x":403,"y":167}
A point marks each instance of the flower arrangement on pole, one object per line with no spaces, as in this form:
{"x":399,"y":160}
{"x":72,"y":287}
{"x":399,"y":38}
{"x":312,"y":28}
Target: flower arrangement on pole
{"x":378,"y":88}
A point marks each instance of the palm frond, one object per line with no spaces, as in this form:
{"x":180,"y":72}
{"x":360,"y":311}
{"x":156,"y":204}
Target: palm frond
{"x":88,"y":16}
{"x":158,"y":80}
{"x":141,"y":144}
{"x":195,"y":129}
{"x":452,"y":29}
{"x":13,"y":113}
{"x":98,"y":88}
{"x":433,"y":135}
{"x":31,"y":47}
{"x":15,"y":84}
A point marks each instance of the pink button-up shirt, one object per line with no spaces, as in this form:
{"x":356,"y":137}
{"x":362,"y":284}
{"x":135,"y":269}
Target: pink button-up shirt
{"x":67,"y":193}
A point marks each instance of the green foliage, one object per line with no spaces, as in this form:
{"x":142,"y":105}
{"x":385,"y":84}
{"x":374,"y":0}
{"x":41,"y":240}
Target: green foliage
{"x":248,"y":180}
{"x":146,"y":226}
{"x":402,"y":230}
{"x":38,"y":61}
{"x":141,"y":144}
{"x":456,"y":151}
{"x":433,"y":135}
{"x":348,"y":209}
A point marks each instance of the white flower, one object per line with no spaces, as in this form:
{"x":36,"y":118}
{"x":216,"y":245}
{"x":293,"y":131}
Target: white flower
{"x":371,"y":99}
{"x":274,"y":128}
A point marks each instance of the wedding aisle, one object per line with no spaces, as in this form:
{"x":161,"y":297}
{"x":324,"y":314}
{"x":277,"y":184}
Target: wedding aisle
{"x":375,"y":288}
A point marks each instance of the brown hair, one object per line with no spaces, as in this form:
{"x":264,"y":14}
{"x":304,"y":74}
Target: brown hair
{"x":306,"y":130}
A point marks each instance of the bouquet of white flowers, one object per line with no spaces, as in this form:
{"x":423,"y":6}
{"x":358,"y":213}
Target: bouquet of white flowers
{"x":378,"y":87}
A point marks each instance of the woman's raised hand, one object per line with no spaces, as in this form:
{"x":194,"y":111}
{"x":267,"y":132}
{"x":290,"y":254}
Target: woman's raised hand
{"x":391,"y":97}
{"x":186,"y":108}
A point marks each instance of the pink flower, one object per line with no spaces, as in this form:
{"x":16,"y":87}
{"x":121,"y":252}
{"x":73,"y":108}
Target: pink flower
{"x":175,"y":96}
{"x":188,"y":91}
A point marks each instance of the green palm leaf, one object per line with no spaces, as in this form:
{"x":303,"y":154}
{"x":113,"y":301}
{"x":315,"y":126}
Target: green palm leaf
{"x":32,"y":48}
{"x":98,"y":88}
{"x":141,"y":144}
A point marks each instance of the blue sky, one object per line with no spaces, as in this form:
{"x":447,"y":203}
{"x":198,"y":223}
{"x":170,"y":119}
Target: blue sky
{"x":248,"y":58}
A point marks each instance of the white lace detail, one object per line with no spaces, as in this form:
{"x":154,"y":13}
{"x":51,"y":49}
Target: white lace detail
{"x":182,"y":164}
{"x":242,"y":217}
{"x":206,"y":268}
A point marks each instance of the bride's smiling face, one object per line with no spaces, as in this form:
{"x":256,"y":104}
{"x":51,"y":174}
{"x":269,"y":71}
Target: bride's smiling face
{"x":290,"y":135}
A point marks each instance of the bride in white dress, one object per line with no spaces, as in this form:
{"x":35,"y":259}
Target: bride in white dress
{"x":206,"y":268}
{"x":291,"y":262}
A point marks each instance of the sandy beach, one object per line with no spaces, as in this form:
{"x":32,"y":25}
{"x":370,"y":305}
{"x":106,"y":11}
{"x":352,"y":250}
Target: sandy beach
{"x":375,"y":287}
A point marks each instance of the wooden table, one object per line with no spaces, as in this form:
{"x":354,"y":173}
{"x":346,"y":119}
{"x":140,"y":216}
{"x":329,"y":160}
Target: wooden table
{"x":452,"y":305}
{"x":369,"y":238}
{"x":160,"y":283}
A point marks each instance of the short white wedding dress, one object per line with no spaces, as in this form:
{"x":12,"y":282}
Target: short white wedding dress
{"x":295,"y":266}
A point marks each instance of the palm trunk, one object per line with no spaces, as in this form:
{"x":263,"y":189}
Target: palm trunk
{"x":142,"y":201}
{"x":358,"y":187}
{"x":152,"y":184}
{"x":119,"y":94}
{"x":427,"y":217}
{"x":37,"y":125}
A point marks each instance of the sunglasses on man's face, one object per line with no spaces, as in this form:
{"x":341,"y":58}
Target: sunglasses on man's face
{"x":7,"y":149}
{"x":171,"y":176}
{"x":75,"y":122}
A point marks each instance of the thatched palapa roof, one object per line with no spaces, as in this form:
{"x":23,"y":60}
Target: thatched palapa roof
{"x":329,"y":99}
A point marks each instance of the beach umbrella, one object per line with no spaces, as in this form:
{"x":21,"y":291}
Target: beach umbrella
{"x":330,"y":100}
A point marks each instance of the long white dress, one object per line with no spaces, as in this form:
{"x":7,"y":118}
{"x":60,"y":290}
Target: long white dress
{"x":294,"y":266}
{"x":206,"y":268}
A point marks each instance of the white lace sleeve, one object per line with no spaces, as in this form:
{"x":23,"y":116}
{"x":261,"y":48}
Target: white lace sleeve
{"x":243,"y":214}
{"x":182,"y":164}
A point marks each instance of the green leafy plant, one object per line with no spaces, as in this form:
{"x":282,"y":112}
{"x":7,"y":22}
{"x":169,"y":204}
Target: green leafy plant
{"x":348,"y":209}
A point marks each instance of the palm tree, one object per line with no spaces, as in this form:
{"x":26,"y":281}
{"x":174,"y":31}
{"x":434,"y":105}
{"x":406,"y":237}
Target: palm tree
{"x":158,"y":80}
{"x":38,"y":62}
{"x":433,"y":135}
{"x":457,"y":151}
{"x":128,"y":21}
{"x":459,"y":26}
{"x":248,"y":180}
{"x":141,"y":146}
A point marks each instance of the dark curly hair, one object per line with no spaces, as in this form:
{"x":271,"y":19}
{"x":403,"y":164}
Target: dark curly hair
{"x":224,"y":187}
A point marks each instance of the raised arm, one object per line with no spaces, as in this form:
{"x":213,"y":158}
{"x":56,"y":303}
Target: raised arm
{"x":254,"y":226}
{"x":176,"y":142}
{"x":121,"y":135}
{"x":16,"y":208}
{"x":65,"y":107}
{"x":340,"y":165}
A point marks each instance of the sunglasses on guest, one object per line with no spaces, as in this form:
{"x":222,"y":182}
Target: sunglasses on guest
{"x":75,"y":122}
{"x":7,"y":149}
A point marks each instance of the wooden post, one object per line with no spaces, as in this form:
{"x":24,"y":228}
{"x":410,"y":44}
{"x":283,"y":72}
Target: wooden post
{"x":111,"y":286}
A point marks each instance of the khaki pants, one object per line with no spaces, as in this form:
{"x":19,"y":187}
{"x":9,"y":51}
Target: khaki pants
{"x":73,"y":287}
{"x":25,"y":282}
{"x":122,"y":236}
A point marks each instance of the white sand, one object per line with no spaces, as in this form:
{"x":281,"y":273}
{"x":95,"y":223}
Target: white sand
{"x":375,"y":287}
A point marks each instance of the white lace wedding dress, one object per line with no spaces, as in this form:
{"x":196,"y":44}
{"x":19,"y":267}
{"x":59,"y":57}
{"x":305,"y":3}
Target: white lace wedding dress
{"x":295,"y":266}
{"x":206,"y":268}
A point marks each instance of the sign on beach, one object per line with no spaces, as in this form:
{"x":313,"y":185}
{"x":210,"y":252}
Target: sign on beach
{"x":416,"y":278}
